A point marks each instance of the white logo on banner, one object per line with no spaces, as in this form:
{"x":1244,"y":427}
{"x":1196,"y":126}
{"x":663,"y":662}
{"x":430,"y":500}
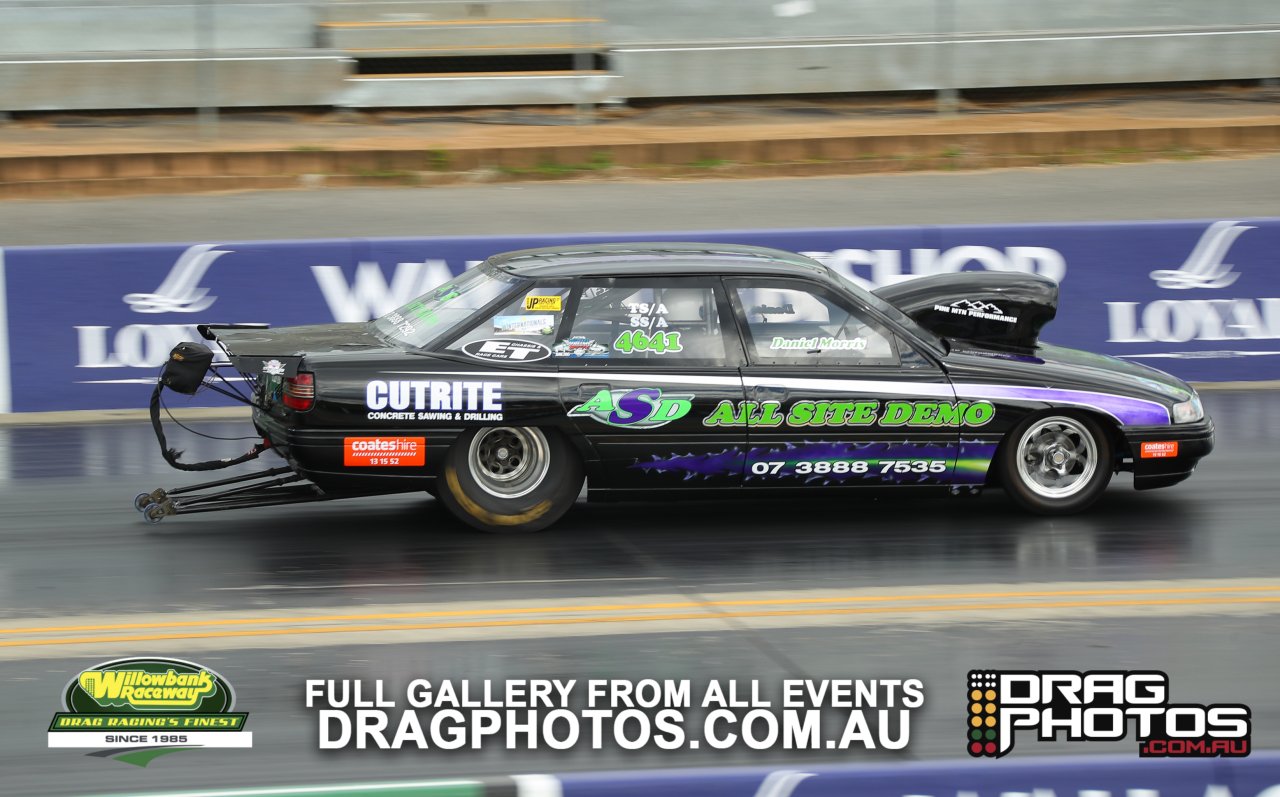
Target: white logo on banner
{"x":180,"y":292}
{"x":369,"y":296}
{"x":1204,"y":267}
{"x":1186,"y":320}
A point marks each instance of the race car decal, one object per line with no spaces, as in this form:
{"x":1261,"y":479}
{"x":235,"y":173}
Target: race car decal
{"x":641,"y":408}
{"x":545,"y":303}
{"x":433,"y":400}
{"x":383,"y":452}
{"x":826,"y":463}
{"x":818,"y":344}
{"x":851,"y":413}
{"x":1159,"y":450}
{"x":507,"y":350}
{"x":1126,"y":410}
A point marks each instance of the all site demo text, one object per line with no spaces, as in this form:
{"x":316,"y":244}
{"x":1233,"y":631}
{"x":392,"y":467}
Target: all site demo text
{"x":533,"y":714}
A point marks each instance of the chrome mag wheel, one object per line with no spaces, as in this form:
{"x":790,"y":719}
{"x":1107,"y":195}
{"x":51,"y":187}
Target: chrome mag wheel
{"x":1057,"y":457}
{"x":508,"y":461}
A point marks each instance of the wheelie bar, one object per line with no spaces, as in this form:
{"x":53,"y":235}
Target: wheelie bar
{"x":272,"y":487}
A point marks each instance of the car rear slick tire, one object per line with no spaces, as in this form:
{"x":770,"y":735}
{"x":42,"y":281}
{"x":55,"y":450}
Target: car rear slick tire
{"x":510,"y":479}
{"x":1056,"y":463}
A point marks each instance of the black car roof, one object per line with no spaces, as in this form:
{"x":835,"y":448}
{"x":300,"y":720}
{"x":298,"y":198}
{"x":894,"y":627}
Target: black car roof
{"x":644,"y":259}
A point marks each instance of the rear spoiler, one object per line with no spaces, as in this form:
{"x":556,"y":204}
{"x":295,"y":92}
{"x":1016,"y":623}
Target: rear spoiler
{"x":207,"y":330}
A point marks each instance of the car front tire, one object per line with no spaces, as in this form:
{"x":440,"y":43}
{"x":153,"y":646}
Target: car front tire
{"x":510,"y":479}
{"x":1056,"y":464}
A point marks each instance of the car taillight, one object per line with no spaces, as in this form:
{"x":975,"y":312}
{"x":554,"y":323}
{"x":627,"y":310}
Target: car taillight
{"x":299,"y":391}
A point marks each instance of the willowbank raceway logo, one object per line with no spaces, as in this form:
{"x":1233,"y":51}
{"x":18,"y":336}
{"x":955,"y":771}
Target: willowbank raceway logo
{"x":137,"y":709}
{"x":1099,"y":706}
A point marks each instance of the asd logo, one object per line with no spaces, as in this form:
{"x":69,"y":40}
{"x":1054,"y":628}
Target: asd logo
{"x":1100,"y":706}
{"x":641,"y":408}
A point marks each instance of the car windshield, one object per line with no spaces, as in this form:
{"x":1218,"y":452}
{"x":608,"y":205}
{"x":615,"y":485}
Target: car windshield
{"x":436,"y":313}
{"x":897,"y":316}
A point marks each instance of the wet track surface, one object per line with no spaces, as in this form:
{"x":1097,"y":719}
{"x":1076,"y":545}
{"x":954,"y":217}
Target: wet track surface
{"x":73,"y":547}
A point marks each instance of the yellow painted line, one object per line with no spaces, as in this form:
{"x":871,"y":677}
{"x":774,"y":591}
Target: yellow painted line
{"x":514,"y":49}
{"x":435,"y":23}
{"x":631,"y":607}
{"x":401,"y":76}
{"x":644,"y":618}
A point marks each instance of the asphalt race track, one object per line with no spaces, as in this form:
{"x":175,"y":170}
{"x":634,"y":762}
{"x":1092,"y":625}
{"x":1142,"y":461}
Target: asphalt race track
{"x":1180,"y":579}
{"x":1224,"y":189}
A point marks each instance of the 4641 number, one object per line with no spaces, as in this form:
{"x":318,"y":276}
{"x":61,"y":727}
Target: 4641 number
{"x":639,"y":340}
{"x":841,"y":466}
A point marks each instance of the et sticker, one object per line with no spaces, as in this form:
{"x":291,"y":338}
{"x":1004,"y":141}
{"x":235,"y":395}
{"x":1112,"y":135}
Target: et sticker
{"x":544,"y":303}
{"x":384,"y":452}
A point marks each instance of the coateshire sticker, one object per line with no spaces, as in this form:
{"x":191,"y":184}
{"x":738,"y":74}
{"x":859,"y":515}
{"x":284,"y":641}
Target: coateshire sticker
{"x":148,"y":703}
{"x":384,"y":452}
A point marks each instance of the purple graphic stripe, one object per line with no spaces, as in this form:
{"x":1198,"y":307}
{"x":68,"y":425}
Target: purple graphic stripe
{"x":1129,"y":411}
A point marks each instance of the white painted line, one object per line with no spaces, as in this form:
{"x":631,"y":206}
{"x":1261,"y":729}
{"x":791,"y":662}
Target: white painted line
{"x":918,"y":42}
{"x":394,"y":585}
{"x":603,"y":376}
{"x":537,"y":786}
{"x":469,"y":78}
{"x":6,"y":395}
{"x":100,"y":61}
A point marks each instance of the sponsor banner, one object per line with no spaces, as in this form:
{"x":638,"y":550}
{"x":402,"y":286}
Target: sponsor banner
{"x":89,"y":327}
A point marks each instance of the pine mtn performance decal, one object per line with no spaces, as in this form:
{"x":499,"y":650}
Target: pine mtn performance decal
{"x":640,"y":408}
{"x":1099,"y":706}
{"x":148,"y":703}
{"x":975,"y":308}
{"x":851,"y":413}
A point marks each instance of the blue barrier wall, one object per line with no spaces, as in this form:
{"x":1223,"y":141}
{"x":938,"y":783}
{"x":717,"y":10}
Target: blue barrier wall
{"x":89,"y":326}
{"x":1068,"y":776}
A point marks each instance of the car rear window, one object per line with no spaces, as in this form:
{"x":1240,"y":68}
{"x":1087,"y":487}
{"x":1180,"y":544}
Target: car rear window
{"x":436,"y":313}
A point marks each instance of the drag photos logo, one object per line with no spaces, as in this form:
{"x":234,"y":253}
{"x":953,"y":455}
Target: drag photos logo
{"x":1099,"y":706}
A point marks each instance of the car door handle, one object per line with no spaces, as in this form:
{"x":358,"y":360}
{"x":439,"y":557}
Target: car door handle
{"x":589,"y":389}
{"x":770,"y":393}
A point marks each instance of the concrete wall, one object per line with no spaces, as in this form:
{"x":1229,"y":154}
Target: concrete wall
{"x":657,"y":47}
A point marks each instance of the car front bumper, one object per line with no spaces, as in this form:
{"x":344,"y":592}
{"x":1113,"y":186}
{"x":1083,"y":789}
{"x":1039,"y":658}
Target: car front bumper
{"x":1165,"y":455}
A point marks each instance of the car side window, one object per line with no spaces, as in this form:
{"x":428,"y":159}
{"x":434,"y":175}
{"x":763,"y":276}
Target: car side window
{"x":789,"y":323}
{"x":522,"y":330}
{"x":653,"y":321}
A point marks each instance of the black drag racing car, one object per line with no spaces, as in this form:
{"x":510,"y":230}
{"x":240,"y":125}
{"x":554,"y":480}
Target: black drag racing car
{"x":658,"y":370}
